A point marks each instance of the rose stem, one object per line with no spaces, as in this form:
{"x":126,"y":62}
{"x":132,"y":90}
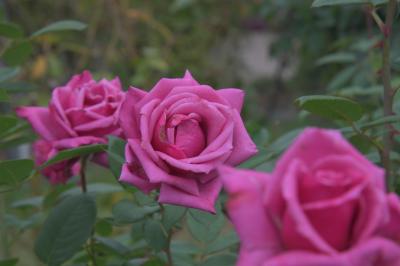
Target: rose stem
{"x":167,"y":250}
{"x":388,"y":92}
{"x":83,"y":174}
{"x":3,"y":230}
{"x":89,"y":250}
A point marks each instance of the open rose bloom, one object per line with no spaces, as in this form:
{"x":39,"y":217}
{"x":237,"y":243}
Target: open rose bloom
{"x":323,"y":205}
{"x":178,"y":133}
{"x":80,"y":113}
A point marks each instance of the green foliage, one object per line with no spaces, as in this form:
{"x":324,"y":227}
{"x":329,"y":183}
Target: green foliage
{"x":154,"y":235}
{"x":9,"y":262}
{"x":66,"y":229}
{"x":320,"y":3}
{"x":127,"y":212}
{"x":332,"y":107}
{"x":17,"y":53}
{"x":73,"y":153}
{"x":116,"y":154}
{"x":14,"y":172}
{"x":171,"y":215}
{"x":61,"y":26}
{"x":10,"y":30}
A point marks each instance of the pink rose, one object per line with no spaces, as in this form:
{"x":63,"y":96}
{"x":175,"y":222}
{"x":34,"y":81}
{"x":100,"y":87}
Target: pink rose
{"x":80,"y":113}
{"x":324,"y":204}
{"x":177,"y":134}
{"x":62,"y":171}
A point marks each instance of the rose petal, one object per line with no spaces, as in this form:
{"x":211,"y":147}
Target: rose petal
{"x":391,"y":227}
{"x":42,"y":122}
{"x":243,"y":145}
{"x":157,"y":175}
{"x":127,"y":176}
{"x":297,"y":231}
{"x":128,"y":115}
{"x":257,"y":232}
{"x":234,"y":97}
{"x":205,"y":200}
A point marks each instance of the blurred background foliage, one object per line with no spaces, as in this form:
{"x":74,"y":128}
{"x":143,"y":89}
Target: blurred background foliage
{"x":276,"y":50}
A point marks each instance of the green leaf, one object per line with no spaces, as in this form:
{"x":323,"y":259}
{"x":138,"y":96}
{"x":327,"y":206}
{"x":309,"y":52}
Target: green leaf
{"x":10,"y":30}
{"x":94,"y":188}
{"x":8,"y":72}
{"x":35,"y":202}
{"x":73,"y":153}
{"x":184,"y":247}
{"x":6,"y":123}
{"x":9,"y":262}
{"x":154,"y":235}
{"x":332,"y":107}
{"x":13,"y":172}
{"x":66,"y":229}
{"x":103,"y":227}
{"x":116,"y":154}
{"x":218,"y":260}
{"x":320,"y":3}
{"x":340,"y":57}
{"x":126,"y":212}
{"x":112,"y":245}
{"x":17,"y":53}
{"x":375,"y":123}
{"x":171,"y":215}
{"x":4,"y":96}
{"x":23,"y":223}
{"x":222,"y":242}
{"x":17,"y":86}
{"x":342,"y":77}
{"x":61,"y":26}
{"x":204,"y":227}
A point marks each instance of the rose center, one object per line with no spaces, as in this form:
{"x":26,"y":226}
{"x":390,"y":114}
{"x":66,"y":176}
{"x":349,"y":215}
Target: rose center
{"x":181,"y":136}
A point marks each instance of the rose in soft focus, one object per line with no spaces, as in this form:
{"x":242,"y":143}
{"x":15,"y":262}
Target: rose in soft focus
{"x":177,"y":134}
{"x":324,"y":204}
{"x":82,"y":112}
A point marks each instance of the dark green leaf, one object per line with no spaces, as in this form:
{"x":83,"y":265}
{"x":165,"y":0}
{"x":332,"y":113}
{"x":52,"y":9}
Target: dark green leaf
{"x":319,"y":3}
{"x":332,"y":107}
{"x":13,"y":172}
{"x":218,"y":260}
{"x":6,"y":123}
{"x":73,"y":153}
{"x":154,"y":235}
{"x":9,"y":262}
{"x":95,"y":188}
{"x":340,"y":57}
{"x":361,"y":142}
{"x":203,"y":226}
{"x":66,"y":229}
{"x":375,"y":123}
{"x":222,"y":242}
{"x":17,"y":86}
{"x":17,"y":53}
{"x":342,"y":77}
{"x":10,"y":30}
{"x":28,"y":202}
{"x":3,"y":96}
{"x":116,"y":154}
{"x":137,"y":230}
{"x":23,"y":223}
{"x":112,"y":245}
{"x":126,"y":212}
{"x":103,"y":227}
{"x":184,"y":247}
{"x":61,"y":26}
{"x":171,"y":215}
{"x":8,"y":72}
